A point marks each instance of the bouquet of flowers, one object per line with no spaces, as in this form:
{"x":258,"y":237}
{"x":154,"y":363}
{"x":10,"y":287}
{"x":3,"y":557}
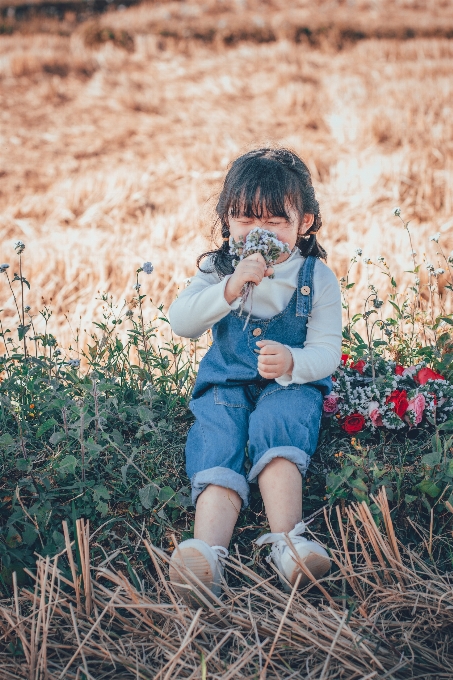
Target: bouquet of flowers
{"x":257,"y":241}
{"x":395,"y":398}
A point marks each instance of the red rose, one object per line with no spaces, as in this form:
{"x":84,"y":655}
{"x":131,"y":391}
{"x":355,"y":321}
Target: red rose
{"x":399,"y":400}
{"x":353,"y":423}
{"x":358,"y":366}
{"x":344,"y":359}
{"x":426,"y":374}
{"x":399,"y":369}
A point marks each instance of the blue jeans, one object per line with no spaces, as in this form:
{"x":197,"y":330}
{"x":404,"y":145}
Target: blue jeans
{"x":275,"y":421}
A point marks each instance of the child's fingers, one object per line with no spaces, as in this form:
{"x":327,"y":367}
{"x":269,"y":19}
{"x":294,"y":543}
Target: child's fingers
{"x":269,"y":360}
{"x":269,"y":347}
{"x":257,"y":257}
{"x":269,"y":271}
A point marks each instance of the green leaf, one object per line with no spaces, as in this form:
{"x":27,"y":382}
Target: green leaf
{"x":6,"y":439}
{"x":393,"y":282}
{"x":57,"y":437}
{"x":23,"y":330}
{"x":46,"y":426}
{"x":428,"y":487}
{"x":450,"y":468}
{"x":132,"y":573}
{"x":350,"y":285}
{"x":447,"y":319}
{"x":22,"y":464}
{"x":145,"y":414}
{"x":92,"y":447}
{"x":68,"y":465}
{"x":100,"y":492}
{"x":30,"y":534}
{"x":102,"y":508}
{"x":165,"y":494}
{"x":359,"y":484}
{"x":361,"y":496}
{"x":147,"y":495}
{"x":432,"y":459}
{"x":410,"y":499}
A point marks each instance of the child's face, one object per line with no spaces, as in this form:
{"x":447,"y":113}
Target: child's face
{"x":287,"y":231}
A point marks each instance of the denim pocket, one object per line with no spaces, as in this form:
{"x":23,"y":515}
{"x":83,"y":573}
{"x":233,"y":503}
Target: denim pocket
{"x":233,"y":396}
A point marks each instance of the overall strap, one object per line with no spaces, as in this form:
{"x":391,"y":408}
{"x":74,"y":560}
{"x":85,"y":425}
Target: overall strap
{"x":305,"y":287}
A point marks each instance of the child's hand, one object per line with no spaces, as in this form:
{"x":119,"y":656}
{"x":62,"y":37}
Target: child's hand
{"x":274,"y":359}
{"x":253,"y":268}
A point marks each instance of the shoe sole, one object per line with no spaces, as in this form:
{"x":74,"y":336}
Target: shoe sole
{"x":317,"y":564}
{"x":190,"y":560}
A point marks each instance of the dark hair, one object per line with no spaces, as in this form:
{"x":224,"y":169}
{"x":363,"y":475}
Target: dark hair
{"x":265,"y":178}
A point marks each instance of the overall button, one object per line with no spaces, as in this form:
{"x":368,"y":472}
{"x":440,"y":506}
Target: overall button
{"x":305,"y":290}
{"x":257,"y":332}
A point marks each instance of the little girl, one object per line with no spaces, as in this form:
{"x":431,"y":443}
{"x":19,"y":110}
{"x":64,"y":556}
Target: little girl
{"x":261,"y":387}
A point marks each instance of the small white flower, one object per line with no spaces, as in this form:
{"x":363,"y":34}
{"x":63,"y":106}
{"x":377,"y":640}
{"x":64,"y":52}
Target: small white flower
{"x":366,"y":260}
{"x":396,"y":212}
{"x":417,"y":281}
{"x":413,"y":253}
{"x":129,"y":313}
{"x":429,"y":266}
{"x":435,"y":237}
{"x":381,"y":259}
{"x":359,"y":252}
{"x":3,"y":267}
{"x":27,"y":309}
{"x":137,"y":286}
{"x":438,"y":272}
{"x":147,"y":267}
{"x":57,"y":353}
{"x":19,"y":247}
{"x":74,"y":363}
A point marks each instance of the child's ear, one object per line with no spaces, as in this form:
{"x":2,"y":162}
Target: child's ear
{"x":307,"y":222}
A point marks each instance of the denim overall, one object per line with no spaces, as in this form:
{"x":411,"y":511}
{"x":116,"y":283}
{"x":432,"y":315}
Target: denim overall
{"x":234,"y":406}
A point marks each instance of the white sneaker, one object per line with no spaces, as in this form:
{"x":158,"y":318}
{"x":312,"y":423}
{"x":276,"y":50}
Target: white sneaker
{"x":311,"y":554}
{"x":194,"y":556}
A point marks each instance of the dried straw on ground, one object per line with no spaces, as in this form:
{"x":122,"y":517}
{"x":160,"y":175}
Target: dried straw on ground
{"x":382,"y":613}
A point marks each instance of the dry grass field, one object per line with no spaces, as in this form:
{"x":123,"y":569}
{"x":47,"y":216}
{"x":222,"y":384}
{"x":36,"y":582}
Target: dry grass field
{"x":115,"y":136}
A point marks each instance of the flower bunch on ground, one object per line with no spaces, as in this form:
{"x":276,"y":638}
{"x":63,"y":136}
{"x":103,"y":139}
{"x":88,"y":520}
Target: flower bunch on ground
{"x":396,"y":397}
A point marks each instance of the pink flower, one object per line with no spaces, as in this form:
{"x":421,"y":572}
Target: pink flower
{"x":330,"y":405}
{"x":409,"y":371}
{"x":415,"y":407}
{"x":374,"y":413}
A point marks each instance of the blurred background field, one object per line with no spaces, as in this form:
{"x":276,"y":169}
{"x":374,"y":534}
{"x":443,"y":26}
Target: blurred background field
{"x":117,"y":128}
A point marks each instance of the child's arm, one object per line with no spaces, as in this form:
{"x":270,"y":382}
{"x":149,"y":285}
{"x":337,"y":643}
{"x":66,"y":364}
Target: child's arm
{"x":208,"y":299}
{"x":199,"y":306}
{"x":321,"y":353}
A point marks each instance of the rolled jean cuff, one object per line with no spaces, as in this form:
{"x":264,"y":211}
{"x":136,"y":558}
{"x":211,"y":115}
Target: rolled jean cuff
{"x":291,"y":453}
{"x":220,"y":476}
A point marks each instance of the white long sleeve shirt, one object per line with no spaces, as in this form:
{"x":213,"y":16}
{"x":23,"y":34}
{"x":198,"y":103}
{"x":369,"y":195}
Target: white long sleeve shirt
{"x":202,"y":304}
